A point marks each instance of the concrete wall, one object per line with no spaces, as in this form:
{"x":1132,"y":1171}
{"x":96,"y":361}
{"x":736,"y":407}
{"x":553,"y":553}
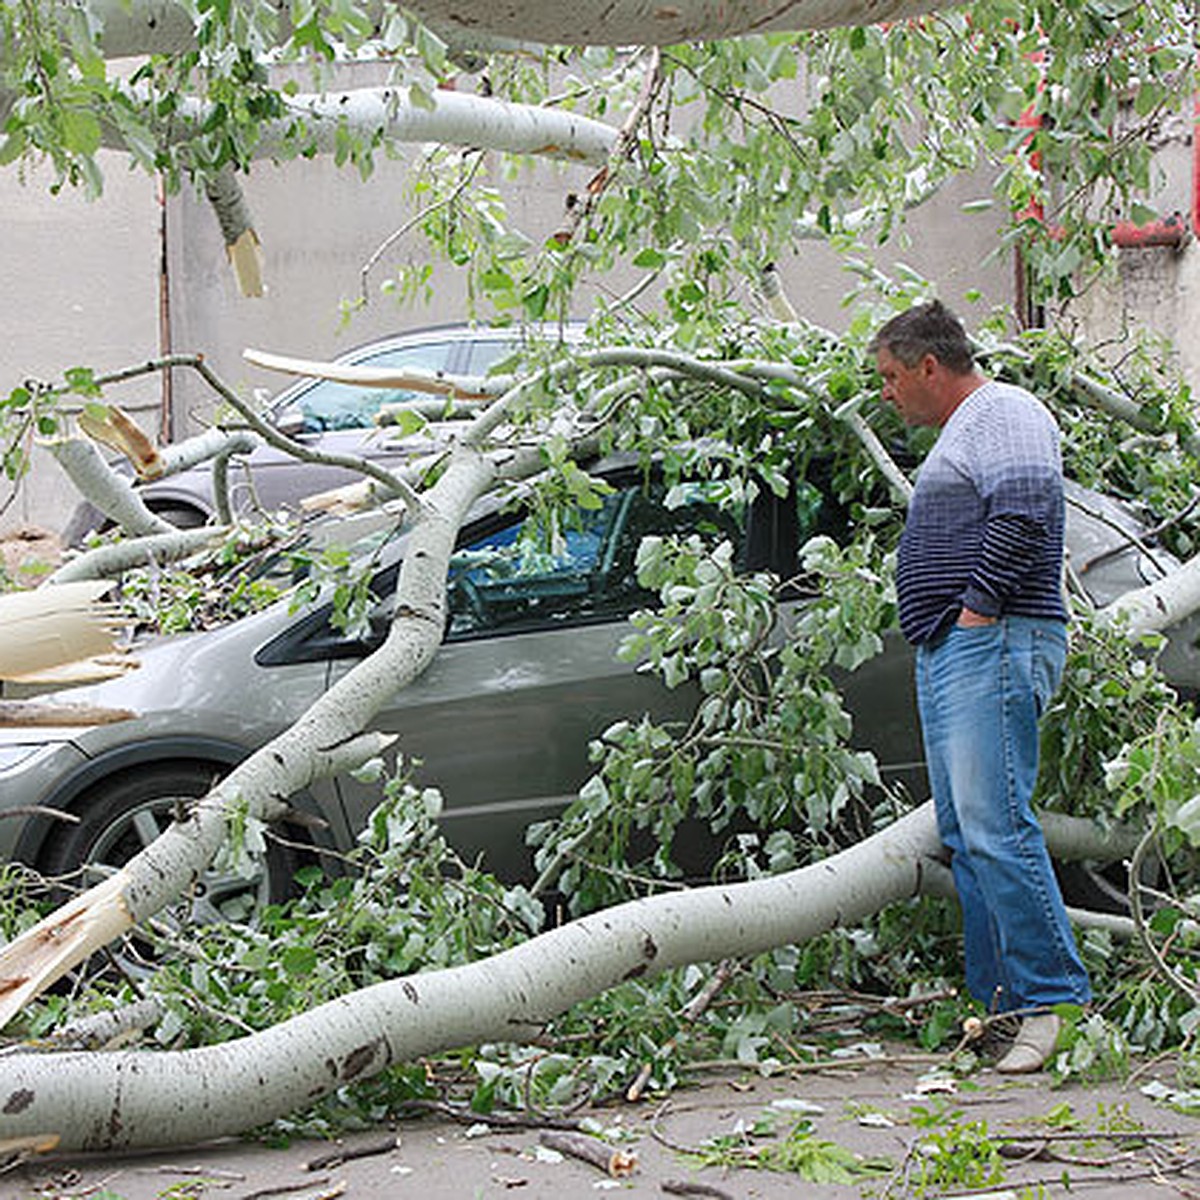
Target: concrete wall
{"x":320,"y":226}
{"x":78,"y":287}
{"x":1155,"y":289}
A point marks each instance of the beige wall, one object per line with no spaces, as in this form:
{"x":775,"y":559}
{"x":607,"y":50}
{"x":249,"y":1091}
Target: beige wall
{"x":321,"y":226}
{"x":1154,"y":289}
{"x":78,"y":286}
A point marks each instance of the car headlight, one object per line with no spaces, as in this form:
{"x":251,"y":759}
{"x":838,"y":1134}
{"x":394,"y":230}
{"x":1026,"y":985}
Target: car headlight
{"x":11,"y":757}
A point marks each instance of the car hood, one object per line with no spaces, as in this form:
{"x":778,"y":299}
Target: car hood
{"x":211,"y":672}
{"x":1105,"y":549}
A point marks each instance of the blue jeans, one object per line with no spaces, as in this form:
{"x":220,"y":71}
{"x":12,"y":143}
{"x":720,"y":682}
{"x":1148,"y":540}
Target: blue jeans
{"x":981,"y":691}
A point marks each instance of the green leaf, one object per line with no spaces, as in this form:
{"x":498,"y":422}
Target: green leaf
{"x":535,"y":301}
{"x":299,"y":961}
{"x":406,"y":421}
{"x":1187,"y":820}
{"x":649,"y":258}
{"x":422,"y":97}
{"x":12,"y":146}
{"x":80,"y":131}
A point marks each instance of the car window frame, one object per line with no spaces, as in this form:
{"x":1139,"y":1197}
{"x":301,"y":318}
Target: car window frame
{"x":306,"y":637}
{"x":460,"y":336}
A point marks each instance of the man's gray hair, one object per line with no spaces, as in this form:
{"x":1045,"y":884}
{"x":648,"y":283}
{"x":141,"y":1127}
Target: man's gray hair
{"x":926,"y":329}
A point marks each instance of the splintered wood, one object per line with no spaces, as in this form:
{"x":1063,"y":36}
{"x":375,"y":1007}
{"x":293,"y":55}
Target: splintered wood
{"x":55,"y":625}
{"x":29,"y":714}
{"x":619,"y":1164}
{"x":33,"y":961}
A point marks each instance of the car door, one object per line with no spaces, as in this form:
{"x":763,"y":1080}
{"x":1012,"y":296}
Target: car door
{"x":528,"y":675}
{"x":502,"y":719}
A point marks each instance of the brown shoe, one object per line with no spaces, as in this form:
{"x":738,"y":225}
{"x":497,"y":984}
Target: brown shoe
{"x":1034,"y":1045}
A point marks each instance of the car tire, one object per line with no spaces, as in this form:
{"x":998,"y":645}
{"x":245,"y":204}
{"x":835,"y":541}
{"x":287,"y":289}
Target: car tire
{"x":182,"y":516}
{"x":123,"y":815}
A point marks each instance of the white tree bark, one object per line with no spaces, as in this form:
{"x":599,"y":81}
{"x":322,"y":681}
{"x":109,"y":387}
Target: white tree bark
{"x":143,"y":1099}
{"x":111,"y":493}
{"x":107,"y":562}
{"x":182,"y":456}
{"x":148,"y":1098}
{"x":456,"y":119}
{"x":133,"y":27}
{"x":326,"y":740}
{"x":649,"y":22}
{"x":1160,"y":604}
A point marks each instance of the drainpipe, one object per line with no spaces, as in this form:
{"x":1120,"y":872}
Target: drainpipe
{"x":1196,"y":165}
{"x":1172,"y":230}
{"x":166,"y":415}
{"x":1165,"y":231}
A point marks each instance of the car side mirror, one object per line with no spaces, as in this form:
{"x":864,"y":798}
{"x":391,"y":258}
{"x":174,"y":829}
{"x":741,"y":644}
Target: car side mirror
{"x":291,"y":422}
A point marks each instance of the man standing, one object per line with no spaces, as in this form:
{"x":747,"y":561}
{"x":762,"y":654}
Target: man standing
{"x":979,"y":579}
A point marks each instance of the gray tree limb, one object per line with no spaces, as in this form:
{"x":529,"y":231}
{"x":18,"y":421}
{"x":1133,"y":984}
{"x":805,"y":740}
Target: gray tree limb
{"x":107,"y":562}
{"x":112,"y":494}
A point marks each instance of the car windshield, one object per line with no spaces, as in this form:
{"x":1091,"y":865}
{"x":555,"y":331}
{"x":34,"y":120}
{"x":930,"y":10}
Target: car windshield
{"x":328,"y":406}
{"x":552,"y":569}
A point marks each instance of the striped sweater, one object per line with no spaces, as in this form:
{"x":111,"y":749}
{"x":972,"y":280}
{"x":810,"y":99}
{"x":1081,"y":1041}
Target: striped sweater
{"x":985,"y":523}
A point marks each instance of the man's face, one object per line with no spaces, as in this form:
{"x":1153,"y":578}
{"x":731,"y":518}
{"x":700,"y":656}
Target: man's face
{"x":910,"y":389}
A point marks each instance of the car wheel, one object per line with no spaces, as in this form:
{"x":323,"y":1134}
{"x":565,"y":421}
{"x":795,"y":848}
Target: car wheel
{"x":122,"y":816}
{"x":182,"y":516}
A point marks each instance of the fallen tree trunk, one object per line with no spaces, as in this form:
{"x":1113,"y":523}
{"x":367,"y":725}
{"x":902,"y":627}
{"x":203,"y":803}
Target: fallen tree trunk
{"x":112,"y":494}
{"x":146,"y":1098}
{"x":1161,"y":604}
{"x":326,"y":740}
{"x":149,"y":1098}
{"x":90,"y":1101}
{"x":108,"y":562}
{"x":163,"y":26}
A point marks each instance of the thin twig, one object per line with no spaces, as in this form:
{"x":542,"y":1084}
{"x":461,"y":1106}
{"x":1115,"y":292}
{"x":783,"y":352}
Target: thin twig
{"x":396,"y":234}
{"x":617,"y":1163}
{"x":1177,"y":981}
{"x":687,"y":1187}
{"x":283,"y":1189}
{"x":626,"y":142}
{"x":342,"y":1154}
{"x":502,"y":1120}
{"x":692,"y":1012}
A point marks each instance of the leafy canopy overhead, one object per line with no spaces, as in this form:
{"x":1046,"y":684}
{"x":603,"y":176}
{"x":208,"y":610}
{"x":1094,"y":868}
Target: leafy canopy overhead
{"x":738,"y":147}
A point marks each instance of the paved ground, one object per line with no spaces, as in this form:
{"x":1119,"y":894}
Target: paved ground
{"x":884,"y":1109}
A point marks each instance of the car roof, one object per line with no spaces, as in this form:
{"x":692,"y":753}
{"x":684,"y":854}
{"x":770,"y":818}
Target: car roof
{"x":515,"y":335}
